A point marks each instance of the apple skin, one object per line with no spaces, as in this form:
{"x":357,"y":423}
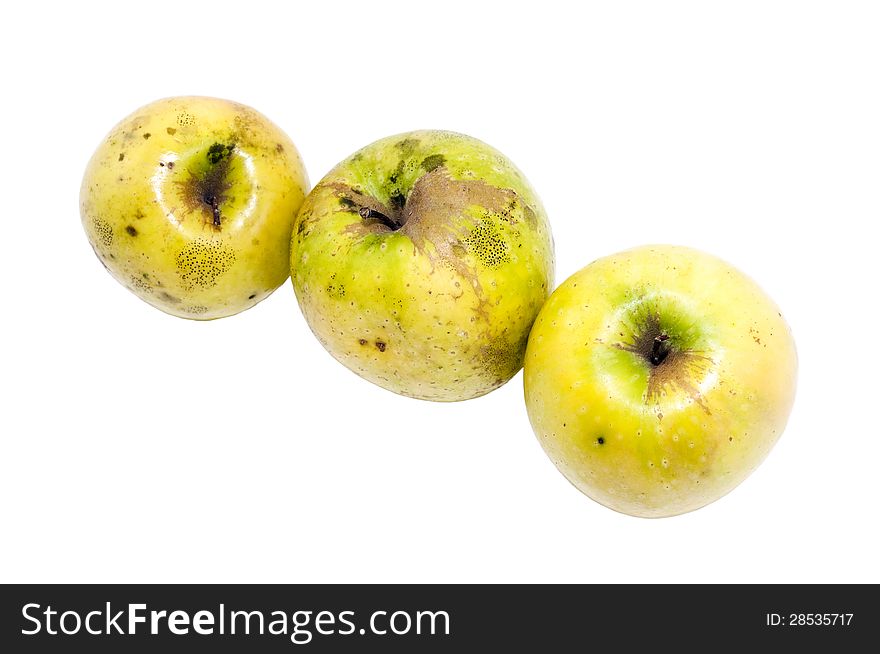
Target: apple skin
{"x":648,"y":440}
{"x":189,"y":203}
{"x":439,"y":308}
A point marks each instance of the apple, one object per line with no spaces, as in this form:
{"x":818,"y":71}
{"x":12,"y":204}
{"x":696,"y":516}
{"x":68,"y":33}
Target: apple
{"x":420,"y":263}
{"x":189,"y":203}
{"x":657,"y":379}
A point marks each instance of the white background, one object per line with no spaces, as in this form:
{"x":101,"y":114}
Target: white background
{"x":138,"y":447}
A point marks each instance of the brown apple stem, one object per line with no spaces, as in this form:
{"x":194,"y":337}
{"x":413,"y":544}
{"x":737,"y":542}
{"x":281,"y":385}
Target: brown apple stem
{"x":659,"y":351}
{"x":367,"y":213}
{"x":211,"y":200}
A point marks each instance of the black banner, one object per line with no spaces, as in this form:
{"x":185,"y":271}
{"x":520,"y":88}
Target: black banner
{"x":420,"y":618}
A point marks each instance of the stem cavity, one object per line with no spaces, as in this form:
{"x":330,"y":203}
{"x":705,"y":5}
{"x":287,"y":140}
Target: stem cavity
{"x":366,"y":213}
{"x":659,"y":349}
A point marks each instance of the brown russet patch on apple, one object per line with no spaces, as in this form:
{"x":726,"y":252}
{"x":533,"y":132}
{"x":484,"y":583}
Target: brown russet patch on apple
{"x":434,"y":217}
{"x":671,"y":369}
{"x":678,"y":372}
{"x":204,"y":193}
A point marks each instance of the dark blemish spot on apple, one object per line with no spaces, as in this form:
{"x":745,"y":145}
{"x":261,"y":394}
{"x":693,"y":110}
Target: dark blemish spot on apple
{"x":170,"y":165}
{"x":501,"y":359}
{"x":432,"y":162}
{"x":397,"y":199}
{"x":170,"y":298}
{"x":601,"y":440}
{"x":407,"y":145}
{"x":171,"y":131}
{"x":336,"y":291}
{"x":279,"y":148}
{"x":393,"y":177}
{"x":218,"y":152}
{"x":348,"y":203}
{"x":730,"y":438}
{"x":362,"y":341}
{"x":147,"y":135}
{"x":138,"y":214}
{"x":380,"y":345}
{"x":162,"y":164}
{"x":252,"y":296}
{"x":121,"y":156}
{"x":146,"y":276}
{"x":130,"y":230}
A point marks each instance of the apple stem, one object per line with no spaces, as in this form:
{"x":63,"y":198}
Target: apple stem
{"x":658,"y":351}
{"x":367,"y":213}
{"x":211,"y":200}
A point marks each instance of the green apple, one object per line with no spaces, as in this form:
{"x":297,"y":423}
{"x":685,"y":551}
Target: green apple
{"x":420,"y":263}
{"x":189,"y":203}
{"x":657,"y":379}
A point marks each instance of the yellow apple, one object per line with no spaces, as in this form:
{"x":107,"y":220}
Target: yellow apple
{"x":189,"y":203}
{"x":420,"y":263}
{"x":657,"y":379}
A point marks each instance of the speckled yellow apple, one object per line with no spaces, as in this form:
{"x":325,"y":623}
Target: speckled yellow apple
{"x":420,"y":263}
{"x":657,"y":379}
{"x":189,"y":203}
